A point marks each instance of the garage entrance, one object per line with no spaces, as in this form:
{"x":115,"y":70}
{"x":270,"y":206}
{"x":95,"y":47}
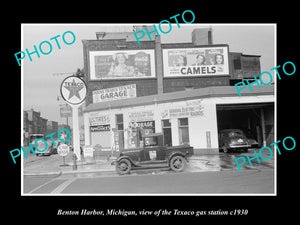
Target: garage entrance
{"x":256,"y":120}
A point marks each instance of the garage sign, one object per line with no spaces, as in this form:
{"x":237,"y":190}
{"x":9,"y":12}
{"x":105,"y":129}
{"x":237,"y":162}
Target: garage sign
{"x":115,"y":93}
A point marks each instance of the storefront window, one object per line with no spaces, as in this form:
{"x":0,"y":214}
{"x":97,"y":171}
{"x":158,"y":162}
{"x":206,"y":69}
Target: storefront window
{"x":119,"y":121}
{"x":167,"y":131}
{"x":183,"y":131}
{"x":100,"y":135}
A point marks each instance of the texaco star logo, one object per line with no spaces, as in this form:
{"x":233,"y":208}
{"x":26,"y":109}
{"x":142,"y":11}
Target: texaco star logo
{"x":73,"y":90}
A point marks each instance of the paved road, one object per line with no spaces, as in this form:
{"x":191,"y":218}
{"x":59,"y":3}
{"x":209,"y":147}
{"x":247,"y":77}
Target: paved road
{"x":225,"y":182}
{"x":209,"y":174}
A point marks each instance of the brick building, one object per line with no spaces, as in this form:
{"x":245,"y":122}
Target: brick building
{"x":240,"y":66}
{"x":184,"y":90}
{"x":34,"y":123}
{"x":52,"y":126}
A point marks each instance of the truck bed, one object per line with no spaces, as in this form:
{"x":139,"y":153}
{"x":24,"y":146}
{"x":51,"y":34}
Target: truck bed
{"x":182,"y":148}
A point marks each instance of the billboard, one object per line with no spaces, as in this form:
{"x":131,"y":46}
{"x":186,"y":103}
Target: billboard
{"x":115,"y":93}
{"x":122,"y":64}
{"x":200,"y":61}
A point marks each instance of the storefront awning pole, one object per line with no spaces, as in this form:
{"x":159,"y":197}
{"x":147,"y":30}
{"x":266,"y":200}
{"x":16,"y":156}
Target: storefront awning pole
{"x":262,"y":116}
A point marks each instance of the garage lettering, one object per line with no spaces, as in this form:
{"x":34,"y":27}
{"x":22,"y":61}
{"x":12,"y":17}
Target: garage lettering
{"x":288,"y":143}
{"x":288,"y":68}
{"x":45,"y":47}
{"x":186,"y":14}
{"x":112,"y":95}
{"x":40,"y":144}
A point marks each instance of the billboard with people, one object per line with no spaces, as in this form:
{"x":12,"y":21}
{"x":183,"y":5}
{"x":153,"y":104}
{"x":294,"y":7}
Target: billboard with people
{"x":199,"y":61}
{"x":122,"y":64}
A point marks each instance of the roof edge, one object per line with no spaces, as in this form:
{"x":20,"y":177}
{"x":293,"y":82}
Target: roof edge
{"x":208,"y":92}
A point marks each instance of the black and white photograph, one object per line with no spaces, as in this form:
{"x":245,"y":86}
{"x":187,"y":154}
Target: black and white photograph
{"x":179,"y":115}
{"x":186,"y":129}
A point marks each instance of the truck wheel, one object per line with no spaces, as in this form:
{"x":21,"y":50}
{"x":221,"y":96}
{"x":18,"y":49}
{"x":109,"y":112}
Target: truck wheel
{"x":123,"y":166}
{"x":177,"y":163}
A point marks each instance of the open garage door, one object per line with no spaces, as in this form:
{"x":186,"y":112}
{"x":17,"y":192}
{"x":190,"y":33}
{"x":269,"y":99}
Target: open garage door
{"x":256,"y":120}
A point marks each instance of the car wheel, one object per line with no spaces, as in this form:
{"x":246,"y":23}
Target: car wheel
{"x":225,"y":149}
{"x":123,"y":166}
{"x":177,"y":163}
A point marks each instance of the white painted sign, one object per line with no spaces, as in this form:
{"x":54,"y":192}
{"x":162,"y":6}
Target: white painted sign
{"x":88,"y":151}
{"x":63,"y":150}
{"x":95,"y":119}
{"x":193,"y":108}
{"x":152,"y":155}
{"x":141,"y":115}
{"x":115,"y":93}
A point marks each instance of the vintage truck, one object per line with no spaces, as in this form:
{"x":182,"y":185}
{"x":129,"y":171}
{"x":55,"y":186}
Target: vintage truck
{"x":153,"y":154}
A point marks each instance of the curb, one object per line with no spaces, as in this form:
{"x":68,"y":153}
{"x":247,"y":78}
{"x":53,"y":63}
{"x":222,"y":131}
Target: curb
{"x":58,"y":173}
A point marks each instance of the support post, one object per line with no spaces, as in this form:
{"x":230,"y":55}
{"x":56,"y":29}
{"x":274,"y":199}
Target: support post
{"x":262,"y":116}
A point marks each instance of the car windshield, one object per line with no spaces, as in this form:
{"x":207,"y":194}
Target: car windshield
{"x":235,"y":133}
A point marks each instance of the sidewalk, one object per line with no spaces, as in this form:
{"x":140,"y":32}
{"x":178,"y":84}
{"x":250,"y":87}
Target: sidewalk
{"x":53,"y":165}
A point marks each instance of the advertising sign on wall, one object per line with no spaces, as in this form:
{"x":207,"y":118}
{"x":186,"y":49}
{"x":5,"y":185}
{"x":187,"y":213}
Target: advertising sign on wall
{"x":200,"y":61}
{"x":65,"y":110}
{"x":95,"y":118}
{"x":125,"y":64}
{"x":141,"y":115}
{"x":88,"y":151}
{"x":115,"y":93}
{"x":98,"y":128}
{"x":192,"y":108}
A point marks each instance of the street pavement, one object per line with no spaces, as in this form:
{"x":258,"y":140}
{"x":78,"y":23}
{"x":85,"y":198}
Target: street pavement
{"x":205,"y":174}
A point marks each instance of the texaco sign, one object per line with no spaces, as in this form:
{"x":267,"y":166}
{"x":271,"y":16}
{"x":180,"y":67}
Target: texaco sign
{"x":73,"y":90}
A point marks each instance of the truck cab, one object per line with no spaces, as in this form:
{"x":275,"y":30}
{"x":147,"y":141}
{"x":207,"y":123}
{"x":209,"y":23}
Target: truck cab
{"x":153,"y":153}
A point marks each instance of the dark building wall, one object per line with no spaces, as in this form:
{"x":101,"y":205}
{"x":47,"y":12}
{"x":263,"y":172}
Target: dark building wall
{"x":179,"y":84}
{"x":244,"y":66}
{"x":250,"y":66}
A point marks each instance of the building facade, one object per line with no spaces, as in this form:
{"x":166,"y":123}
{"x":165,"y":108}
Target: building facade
{"x":183,"y":90}
{"x":191,"y":117}
{"x":52,"y":127}
{"x":33,"y":123}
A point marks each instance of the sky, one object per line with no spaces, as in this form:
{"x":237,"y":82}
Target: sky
{"x":41,"y":84}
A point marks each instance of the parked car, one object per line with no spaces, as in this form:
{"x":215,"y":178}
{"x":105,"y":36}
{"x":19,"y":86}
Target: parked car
{"x":252,"y":140}
{"x":233,"y":139}
{"x":41,"y":144}
{"x":153,"y":154}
